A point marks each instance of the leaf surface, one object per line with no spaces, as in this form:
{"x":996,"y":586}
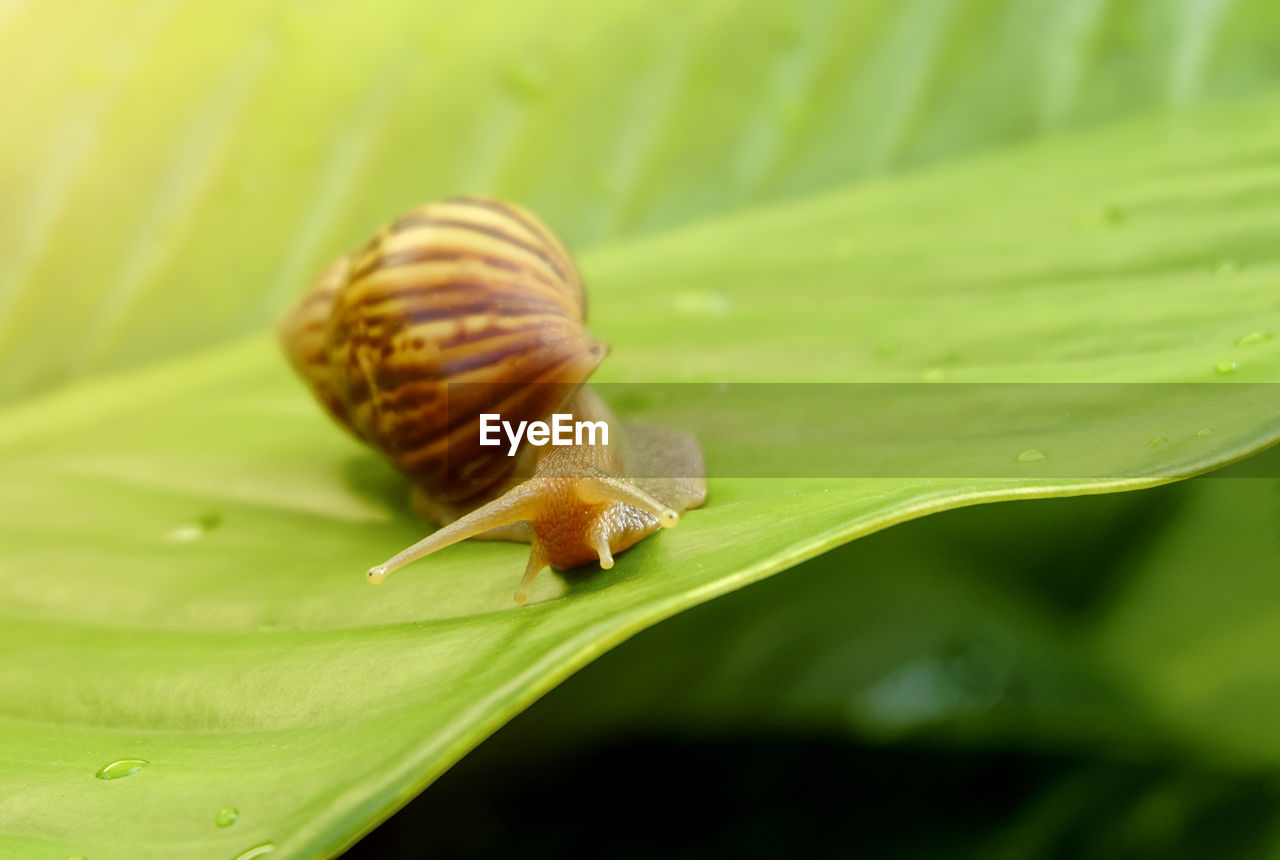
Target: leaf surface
{"x":177,"y":183}
{"x":184,"y":547}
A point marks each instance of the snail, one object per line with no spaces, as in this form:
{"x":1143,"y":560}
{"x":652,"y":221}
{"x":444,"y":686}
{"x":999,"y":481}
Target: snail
{"x":460,"y":311}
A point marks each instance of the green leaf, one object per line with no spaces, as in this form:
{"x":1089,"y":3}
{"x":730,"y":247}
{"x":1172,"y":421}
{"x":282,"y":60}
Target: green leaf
{"x":1086,"y":626}
{"x":955,"y":630}
{"x":178,"y":182}
{"x":184,"y":547}
{"x":1099,"y":634}
{"x":1117,"y":647}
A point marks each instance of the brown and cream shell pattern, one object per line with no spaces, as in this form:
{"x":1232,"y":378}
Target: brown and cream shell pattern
{"x":452,"y":310}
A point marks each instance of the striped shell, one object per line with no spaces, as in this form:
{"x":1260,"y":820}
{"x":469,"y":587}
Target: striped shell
{"x":462,"y":306}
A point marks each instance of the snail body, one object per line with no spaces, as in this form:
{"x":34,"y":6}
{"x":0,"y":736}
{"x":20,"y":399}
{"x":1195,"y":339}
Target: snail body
{"x":468,"y":307}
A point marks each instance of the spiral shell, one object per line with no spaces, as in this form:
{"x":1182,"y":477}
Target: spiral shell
{"x":460,"y":307}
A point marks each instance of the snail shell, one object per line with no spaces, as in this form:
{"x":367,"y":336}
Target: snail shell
{"x":471,"y":306}
{"x":460,"y":307}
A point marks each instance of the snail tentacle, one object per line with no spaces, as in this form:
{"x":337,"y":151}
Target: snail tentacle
{"x":599,"y":487}
{"x":537,"y":561}
{"x":511,"y":507}
{"x":598,"y":537}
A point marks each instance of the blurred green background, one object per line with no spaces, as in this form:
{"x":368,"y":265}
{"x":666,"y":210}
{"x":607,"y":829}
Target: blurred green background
{"x":1089,"y":677}
{"x":176,"y":171}
{"x":915,"y":191}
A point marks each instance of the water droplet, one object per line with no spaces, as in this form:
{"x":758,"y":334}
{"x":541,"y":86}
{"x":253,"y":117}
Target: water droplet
{"x":1031,"y":455}
{"x":1158,"y":442}
{"x":194,"y":530}
{"x":934,"y":375}
{"x":185,"y":533}
{"x":1253,"y":338}
{"x":1225,"y":367}
{"x":256,"y":851}
{"x":267,"y":628}
{"x":227,"y":816}
{"x":122,"y":768}
{"x":1204,"y":431}
{"x":707,"y":304}
{"x":1226,"y":268}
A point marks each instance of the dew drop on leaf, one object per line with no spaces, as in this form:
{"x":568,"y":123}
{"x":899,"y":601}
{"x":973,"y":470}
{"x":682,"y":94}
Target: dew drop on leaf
{"x":256,"y":851}
{"x":1031,"y":455}
{"x":704,"y":304}
{"x":194,"y":530}
{"x":1253,"y":338}
{"x":185,"y":533}
{"x":227,"y":816}
{"x":121,"y":768}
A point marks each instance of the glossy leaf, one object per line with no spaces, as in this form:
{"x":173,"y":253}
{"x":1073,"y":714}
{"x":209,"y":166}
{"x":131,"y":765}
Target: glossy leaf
{"x":1077,"y":637}
{"x":182,"y":579}
{"x":183,"y":546}
{"x":178,"y":182}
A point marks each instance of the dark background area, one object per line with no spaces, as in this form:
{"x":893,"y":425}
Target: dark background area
{"x":943,"y":688}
